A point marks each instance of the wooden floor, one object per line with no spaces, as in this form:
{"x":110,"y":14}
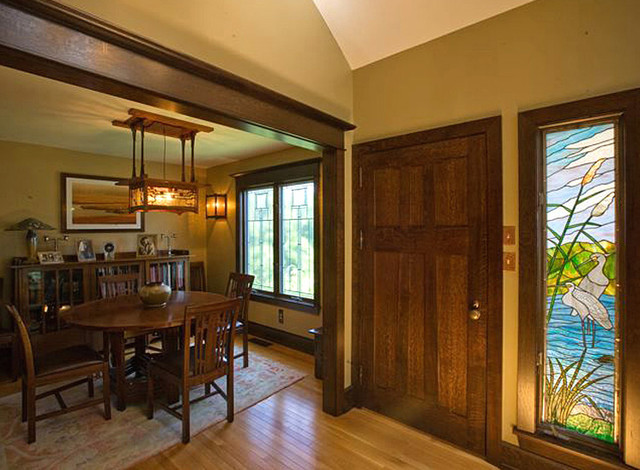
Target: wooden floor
{"x":289,"y":431}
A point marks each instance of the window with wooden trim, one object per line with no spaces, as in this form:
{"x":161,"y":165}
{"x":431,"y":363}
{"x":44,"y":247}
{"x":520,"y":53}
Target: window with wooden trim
{"x":579,"y":392}
{"x":278,"y":230}
{"x":576,"y":200}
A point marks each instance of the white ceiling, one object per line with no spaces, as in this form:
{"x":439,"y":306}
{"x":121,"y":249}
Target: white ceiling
{"x":41,"y":111}
{"x":370,"y":30}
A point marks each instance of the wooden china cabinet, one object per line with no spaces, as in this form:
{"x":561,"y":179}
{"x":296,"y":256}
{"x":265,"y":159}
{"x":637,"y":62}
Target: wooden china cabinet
{"x":40,"y":292}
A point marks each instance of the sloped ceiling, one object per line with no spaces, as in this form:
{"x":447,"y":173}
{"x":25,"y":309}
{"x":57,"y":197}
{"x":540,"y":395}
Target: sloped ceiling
{"x":41,"y":111}
{"x":370,"y":30}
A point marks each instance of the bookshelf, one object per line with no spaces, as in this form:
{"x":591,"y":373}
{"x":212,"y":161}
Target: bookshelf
{"x":40,"y":292}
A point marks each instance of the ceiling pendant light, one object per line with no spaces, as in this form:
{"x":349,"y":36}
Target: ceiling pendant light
{"x":161,"y":194}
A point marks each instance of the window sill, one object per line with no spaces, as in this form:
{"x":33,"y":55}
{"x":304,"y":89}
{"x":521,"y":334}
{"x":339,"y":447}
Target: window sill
{"x":559,"y":451}
{"x":298,"y":305}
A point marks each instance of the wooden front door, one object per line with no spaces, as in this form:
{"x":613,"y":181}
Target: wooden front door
{"x":423,"y":285}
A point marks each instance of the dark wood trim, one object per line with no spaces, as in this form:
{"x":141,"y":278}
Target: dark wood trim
{"x":68,"y":45}
{"x":63,"y":206}
{"x":349,"y":398}
{"x":573,"y":457}
{"x":491,"y":128}
{"x":291,"y":304}
{"x":515,"y":458}
{"x":290,"y":340}
{"x":54,"y":41}
{"x":626,"y":105}
{"x":333,"y":280}
{"x":284,"y":166}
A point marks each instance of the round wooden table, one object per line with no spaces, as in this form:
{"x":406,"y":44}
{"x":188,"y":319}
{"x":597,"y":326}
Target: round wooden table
{"x":127,"y":313}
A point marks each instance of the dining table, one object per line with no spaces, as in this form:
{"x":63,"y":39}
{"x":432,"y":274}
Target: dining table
{"x":127,"y":315}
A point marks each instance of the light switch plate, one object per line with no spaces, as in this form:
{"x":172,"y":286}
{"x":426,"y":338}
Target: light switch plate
{"x":508,"y":261}
{"x":508,"y":235}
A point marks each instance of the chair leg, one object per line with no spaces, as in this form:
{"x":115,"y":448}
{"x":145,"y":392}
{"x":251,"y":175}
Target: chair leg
{"x":24,"y":400}
{"x":230,"y":410}
{"x":245,"y":346}
{"x":150,"y":390}
{"x":106,"y":391}
{"x":31,"y":415}
{"x":207,"y":388}
{"x":90,"y":386}
{"x":186,"y":415}
{"x":106,"y":376}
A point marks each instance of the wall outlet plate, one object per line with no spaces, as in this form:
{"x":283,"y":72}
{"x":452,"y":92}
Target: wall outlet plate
{"x":508,"y":261}
{"x":509,"y":235}
{"x":280,"y":315}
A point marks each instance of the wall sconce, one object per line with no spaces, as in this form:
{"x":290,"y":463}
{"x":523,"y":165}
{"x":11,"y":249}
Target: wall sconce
{"x":216,"y":206}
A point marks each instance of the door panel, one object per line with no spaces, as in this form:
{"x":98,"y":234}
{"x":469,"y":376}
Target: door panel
{"x":386,"y":274}
{"x":451,"y":312}
{"x":450,"y":184}
{"x":422,"y":266}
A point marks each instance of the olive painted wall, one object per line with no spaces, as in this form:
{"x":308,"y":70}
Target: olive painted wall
{"x":546,"y":52}
{"x":30,"y":187}
{"x":221,"y":240}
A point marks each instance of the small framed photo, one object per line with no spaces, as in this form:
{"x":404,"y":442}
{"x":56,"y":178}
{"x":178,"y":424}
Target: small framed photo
{"x":85,"y":251}
{"x":109,"y":249}
{"x":50,"y":257}
{"x":147,"y":245}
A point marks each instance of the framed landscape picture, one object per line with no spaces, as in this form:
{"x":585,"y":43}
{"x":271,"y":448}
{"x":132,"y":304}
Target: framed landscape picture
{"x":96,"y":204}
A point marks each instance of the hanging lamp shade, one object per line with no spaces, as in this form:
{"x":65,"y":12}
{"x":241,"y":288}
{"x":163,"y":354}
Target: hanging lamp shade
{"x":161,"y":194}
{"x":150,"y":195}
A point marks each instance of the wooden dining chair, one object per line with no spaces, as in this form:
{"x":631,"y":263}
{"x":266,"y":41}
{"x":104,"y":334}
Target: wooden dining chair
{"x":118,"y":284}
{"x":239,"y":286}
{"x":212,"y":327}
{"x":111,"y":286}
{"x":59,"y":366}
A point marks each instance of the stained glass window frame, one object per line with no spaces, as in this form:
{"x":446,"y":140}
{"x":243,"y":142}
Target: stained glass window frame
{"x":277,"y":178}
{"x":545,"y":427}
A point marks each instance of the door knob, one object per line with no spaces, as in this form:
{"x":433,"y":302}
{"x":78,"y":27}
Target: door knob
{"x":474,"y":313}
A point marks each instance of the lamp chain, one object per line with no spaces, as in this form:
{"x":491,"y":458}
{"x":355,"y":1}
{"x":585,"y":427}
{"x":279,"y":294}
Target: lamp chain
{"x":164,"y":157}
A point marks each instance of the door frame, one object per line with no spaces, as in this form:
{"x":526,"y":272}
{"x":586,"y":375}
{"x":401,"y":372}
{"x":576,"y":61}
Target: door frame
{"x":491,"y":128}
{"x":55,"y":41}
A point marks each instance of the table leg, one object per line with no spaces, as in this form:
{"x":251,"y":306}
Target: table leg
{"x":117,"y":348}
{"x":140,"y":350}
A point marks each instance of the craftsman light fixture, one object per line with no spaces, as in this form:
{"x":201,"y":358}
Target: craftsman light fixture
{"x":160,"y":194}
{"x":216,"y":206}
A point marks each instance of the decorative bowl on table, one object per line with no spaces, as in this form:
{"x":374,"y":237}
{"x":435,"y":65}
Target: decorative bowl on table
{"x":154,"y":294}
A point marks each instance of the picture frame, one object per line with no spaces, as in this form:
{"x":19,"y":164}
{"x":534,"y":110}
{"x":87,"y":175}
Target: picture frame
{"x":50,"y":257}
{"x":84,"y":250}
{"x":147,"y":245}
{"x":109,"y":249}
{"x":96,"y":204}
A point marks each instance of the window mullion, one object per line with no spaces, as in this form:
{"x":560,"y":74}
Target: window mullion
{"x":276,"y":240}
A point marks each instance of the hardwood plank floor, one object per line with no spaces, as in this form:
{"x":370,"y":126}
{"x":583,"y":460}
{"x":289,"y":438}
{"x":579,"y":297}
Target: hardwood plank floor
{"x":289,"y":431}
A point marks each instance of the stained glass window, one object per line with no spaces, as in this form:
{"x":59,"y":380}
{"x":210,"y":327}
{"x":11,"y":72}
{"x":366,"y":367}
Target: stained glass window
{"x":579,"y":387}
{"x":259,"y":237}
{"x":296,"y":253}
{"x":278,"y":239}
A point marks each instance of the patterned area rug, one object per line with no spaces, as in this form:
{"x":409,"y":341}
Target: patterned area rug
{"x":84,"y":439}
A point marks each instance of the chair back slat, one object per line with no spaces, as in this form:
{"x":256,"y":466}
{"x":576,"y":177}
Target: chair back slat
{"x":239,"y":286}
{"x":25,"y":342}
{"x":213,"y":330}
{"x":118,"y":284}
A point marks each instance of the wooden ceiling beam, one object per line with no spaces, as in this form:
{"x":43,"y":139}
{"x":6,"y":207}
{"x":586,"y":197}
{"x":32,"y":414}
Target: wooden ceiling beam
{"x":161,"y":125}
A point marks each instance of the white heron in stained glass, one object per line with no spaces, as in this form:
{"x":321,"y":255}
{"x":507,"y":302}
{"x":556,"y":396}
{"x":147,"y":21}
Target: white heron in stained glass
{"x":588,"y":307}
{"x":595,"y":283}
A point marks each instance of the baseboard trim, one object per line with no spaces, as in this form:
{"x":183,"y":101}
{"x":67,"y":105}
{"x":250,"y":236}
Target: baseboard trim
{"x":515,"y":458}
{"x":349,"y":398}
{"x":290,"y":340}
